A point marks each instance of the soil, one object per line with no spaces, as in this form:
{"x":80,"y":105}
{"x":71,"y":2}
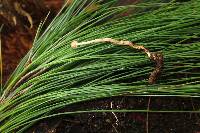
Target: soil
{"x":126,"y":122}
{"x":17,"y":40}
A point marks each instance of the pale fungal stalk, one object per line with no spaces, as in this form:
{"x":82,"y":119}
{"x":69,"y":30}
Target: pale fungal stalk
{"x":154,"y":56}
{"x":76,"y":44}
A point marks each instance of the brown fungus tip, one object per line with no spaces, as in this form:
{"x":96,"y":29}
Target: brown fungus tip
{"x":158,"y":59}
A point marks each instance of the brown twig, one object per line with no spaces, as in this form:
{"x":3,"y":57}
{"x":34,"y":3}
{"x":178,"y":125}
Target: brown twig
{"x":154,"y":56}
{"x":23,"y":79}
{"x":29,"y":76}
{"x":21,"y":92}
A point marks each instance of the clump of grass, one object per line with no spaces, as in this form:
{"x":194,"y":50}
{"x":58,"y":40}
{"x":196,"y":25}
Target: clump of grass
{"x":53,"y":75}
